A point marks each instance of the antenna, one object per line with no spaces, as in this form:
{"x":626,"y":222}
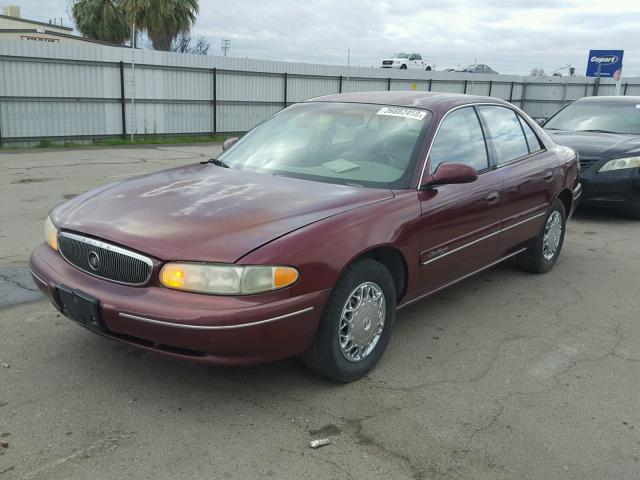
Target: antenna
{"x":225,"y":46}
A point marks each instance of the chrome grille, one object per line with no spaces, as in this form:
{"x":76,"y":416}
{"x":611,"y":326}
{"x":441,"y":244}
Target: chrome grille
{"x":104,"y":260}
{"x":586,"y":163}
{"x":387,"y":62}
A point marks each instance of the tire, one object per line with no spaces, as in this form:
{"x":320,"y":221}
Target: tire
{"x":536,"y":258}
{"x":403,"y":67}
{"x":634,"y":212}
{"x":428,"y":69}
{"x":328,"y":355}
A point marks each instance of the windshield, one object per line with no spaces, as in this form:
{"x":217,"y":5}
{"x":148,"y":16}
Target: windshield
{"x":614,"y":117}
{"x":400,"y":55}
{"x":346,"y":143}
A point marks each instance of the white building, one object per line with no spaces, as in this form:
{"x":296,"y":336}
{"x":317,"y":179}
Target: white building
{"x":13,"y":27}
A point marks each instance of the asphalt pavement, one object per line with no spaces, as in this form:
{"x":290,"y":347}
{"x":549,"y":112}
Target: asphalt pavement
{"x":507,"y":375}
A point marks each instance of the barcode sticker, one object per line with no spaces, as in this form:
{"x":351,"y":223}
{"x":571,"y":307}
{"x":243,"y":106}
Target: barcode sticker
{"x":403,"y":112}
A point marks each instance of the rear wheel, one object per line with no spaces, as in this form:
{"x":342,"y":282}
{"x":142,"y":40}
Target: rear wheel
{"x":428,"y":69}
{"x":356,"y":324}
{"x":545,"y":248}
{"x":403,"y":67}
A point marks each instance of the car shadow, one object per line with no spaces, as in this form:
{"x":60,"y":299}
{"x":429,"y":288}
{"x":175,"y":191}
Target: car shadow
{"x":601,"y":215}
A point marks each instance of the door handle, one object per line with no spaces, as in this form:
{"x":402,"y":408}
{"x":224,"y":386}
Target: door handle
{"x":493,"y":198}
{"x":548,"y":176}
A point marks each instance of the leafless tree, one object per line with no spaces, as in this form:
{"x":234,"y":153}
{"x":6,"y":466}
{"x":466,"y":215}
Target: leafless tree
{"x":537,"y":72}
{"x":185,"y":44}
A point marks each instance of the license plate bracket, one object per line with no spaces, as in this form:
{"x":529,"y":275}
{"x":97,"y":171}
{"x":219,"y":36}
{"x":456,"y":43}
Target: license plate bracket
{"x":80,"y":307}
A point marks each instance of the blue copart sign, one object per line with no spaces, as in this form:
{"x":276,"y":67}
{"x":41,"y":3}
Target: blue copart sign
{"x":607,"y":61}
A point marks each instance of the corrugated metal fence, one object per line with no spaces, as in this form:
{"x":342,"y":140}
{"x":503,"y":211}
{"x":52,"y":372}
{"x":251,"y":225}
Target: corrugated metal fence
{"x":63,"y":92}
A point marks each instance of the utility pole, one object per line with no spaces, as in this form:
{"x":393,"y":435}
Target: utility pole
{"x":133,"y":80}
{"x":225,"y":45}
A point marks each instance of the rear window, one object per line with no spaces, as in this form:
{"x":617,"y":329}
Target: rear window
{"x":532,"y":139}
{"x":505,"y":131}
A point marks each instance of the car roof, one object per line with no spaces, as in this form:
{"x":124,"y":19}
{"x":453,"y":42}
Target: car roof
{"x":435,"y":101}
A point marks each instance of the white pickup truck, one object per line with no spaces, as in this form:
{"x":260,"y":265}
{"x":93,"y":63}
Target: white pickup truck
{"x":403,"y":61}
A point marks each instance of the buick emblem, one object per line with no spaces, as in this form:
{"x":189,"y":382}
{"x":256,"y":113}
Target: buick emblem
{"x":94,"y":261}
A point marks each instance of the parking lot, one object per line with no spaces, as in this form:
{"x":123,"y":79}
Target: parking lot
{"x":506,"y":375}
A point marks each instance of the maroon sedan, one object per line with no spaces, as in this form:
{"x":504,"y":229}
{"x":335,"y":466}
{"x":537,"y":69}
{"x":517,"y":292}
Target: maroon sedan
{"x":305,"y":236}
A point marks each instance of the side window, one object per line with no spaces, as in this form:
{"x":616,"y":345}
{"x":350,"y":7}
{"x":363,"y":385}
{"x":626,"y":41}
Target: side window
{"x":505,"y":131}
{"x":460,"y":140}
{"x":412,"y":57}
{"x":532,"y":138}
{"x":417,"y":56}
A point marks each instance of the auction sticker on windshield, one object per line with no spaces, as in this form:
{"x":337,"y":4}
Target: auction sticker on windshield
{"x":403,"y":112}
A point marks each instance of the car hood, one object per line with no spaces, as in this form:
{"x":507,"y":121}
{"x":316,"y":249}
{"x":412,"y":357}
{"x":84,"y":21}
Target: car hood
{"x":206,"y":213}
{"x":598,"y":145}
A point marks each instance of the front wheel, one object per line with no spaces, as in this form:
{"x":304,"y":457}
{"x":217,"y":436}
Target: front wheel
{"x":356,"y":324}
{"x":545,"y":248}
{"x":634,"y":212}
{"x":403,"y":67}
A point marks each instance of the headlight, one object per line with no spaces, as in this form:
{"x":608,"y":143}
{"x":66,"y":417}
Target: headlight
{"x":50,"y":233}
{"x":620,"y":164}
{"x":219,"y":279}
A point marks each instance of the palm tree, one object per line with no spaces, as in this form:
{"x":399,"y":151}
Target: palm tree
{"x":111,"y":20}
{"x":163,"y":20}
{"x":101,"y":20}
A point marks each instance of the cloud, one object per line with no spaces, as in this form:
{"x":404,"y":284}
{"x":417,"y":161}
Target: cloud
{"x":510,"y":35}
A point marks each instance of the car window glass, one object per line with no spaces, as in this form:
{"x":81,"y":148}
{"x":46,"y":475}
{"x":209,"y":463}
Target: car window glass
{"x":418,"y":57}
{"x":460,"y":140}
{"x":505,"y":131}
{"x":362,"y":144}
{"x":532,"y":139}
{"x":619,"y":116}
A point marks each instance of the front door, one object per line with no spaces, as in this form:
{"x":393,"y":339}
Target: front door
{"x":460,"y":224}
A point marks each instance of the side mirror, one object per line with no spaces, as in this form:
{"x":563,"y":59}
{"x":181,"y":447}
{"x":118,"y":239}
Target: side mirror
{"x":449,"y":173}
{"x":228,"y":143}
{"x":540,"y":120}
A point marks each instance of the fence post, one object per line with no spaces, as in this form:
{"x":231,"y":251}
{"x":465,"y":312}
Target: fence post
{"x":430,"y":80}
{"x":122,"y":102}
{"x":596,"y":86}
{"x":511,"y":92}
{"x":564,"y":94}
{"x":586,"y":88}
{"x":625,"y":88}
{"x":524,"y":95}
{"x":340,"y":85}
{"x":388,"y":84}
{"x":465,"y":86}
{"x":490,"y":86}
{"x":215,"y":100}
{"x":284,"y":100}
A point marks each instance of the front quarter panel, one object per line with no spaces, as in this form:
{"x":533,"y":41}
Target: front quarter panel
{"x":323,"y":250}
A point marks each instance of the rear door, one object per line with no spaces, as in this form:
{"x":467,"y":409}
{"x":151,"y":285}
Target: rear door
{"x":460,"y":224}
{"x":531,"y":174}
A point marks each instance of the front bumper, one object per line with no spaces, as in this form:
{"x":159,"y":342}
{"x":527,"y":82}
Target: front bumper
{"x":202,"y":328}
{"x":619,"y":189}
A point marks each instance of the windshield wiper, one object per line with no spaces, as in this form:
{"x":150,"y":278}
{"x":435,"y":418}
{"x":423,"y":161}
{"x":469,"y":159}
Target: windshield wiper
{"x":217,"y":163}
{"x":597,"y":130}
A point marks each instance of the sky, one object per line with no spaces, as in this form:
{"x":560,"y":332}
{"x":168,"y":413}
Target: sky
{"x":511,"y":36}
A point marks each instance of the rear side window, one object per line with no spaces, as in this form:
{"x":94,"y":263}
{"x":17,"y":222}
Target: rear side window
{"x":460,"y":140}
{"x":504,"y":129}
{"x":532,"y":138}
